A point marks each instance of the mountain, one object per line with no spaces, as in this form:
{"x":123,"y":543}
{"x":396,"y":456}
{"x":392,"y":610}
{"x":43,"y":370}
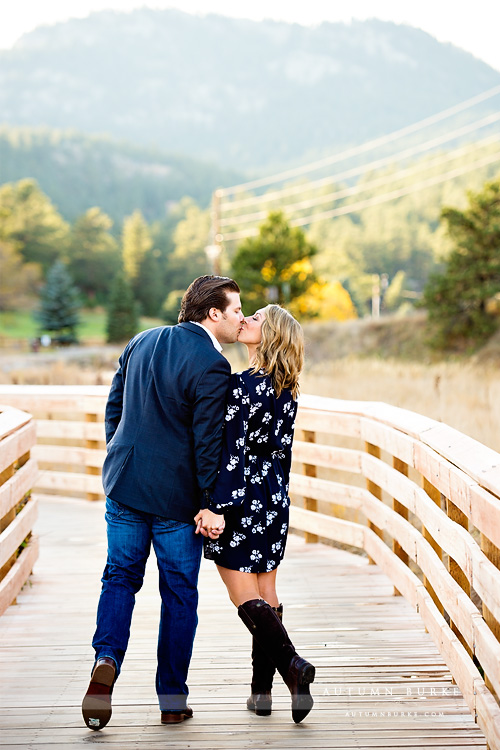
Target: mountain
{"x":247,"y":94}
{"x":80,"y":171}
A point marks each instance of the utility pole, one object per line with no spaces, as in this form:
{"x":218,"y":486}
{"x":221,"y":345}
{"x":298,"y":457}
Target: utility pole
{"x":214,"y":250}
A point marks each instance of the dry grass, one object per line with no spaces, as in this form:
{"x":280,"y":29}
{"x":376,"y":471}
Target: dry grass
{"x":463,"y":395}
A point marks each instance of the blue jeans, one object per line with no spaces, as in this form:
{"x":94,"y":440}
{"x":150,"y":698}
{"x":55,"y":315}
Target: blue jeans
{"x":178,"y":552}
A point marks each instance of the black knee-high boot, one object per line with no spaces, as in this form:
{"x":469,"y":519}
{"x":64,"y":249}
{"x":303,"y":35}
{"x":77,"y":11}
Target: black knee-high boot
{"x":272,"y":637}
{"x":260,"y":701}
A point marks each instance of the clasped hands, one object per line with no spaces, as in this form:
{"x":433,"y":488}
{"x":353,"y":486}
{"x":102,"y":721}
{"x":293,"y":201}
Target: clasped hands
{"x":209,"y":524}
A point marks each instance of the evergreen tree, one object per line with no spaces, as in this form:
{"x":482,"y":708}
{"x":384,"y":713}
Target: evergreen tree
{"x":275,"y":266}
{"x":58,"y":313}
{"x":461,"y":300}
{"x":123,"y":315}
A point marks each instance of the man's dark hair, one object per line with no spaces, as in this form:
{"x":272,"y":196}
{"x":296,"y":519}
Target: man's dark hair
{"x":204,"y":293}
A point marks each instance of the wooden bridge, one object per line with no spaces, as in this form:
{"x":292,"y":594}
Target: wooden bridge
{"x":415,"y":499}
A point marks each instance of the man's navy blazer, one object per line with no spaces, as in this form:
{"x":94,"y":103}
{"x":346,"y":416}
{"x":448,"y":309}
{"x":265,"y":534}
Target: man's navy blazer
{"x":164,"y":420}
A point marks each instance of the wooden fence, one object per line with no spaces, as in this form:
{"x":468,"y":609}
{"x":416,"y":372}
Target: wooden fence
{"x":18,"y":547}
{"x":419,"y":498}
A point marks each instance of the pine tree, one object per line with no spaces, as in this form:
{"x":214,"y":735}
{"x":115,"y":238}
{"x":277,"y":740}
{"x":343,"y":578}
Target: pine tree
{"x":123,"y":315}
{"x":59,"y":310}
{"x":461,"y":301}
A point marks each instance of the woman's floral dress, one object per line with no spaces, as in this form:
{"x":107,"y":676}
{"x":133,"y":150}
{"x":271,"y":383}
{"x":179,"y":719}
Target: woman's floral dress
{"x":252,"y":485}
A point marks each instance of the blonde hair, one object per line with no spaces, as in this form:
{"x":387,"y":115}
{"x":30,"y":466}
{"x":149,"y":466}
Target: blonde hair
{"x":281,"y":350}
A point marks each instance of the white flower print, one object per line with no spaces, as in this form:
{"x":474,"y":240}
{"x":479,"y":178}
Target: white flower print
{"x":256,"y":505}
{"x":235,"y":494}
{"x":247,"y":569}
{"x":270,"y":391}
{"x":231,"y":412}
{"x":214,"y":547}
{"x":255,"y":407}
{"x":266,"y":418}
{"x":265,"y":468}
{"x":258,"y":529}
{"x":246,"y":471}
{"x":256,"y":555}
{"x":287,"y":406}
{"x":286,"y":439}
{"x":237,"y":538}
{"x":278,"y":426}
{"x":271,"y":515}
{"x":276,"y":547}
{"x":276,"y":498}
{"x":260,"y":388}
{"x":280,"y":481}
{"x":233,"y":462}
{"x":240,"y":442}
{"x":283,"y":528}
{"x":246,"y":521}
{"x":270,"y":565}
{"x":237,"y":392}
{"x":256,"y":479}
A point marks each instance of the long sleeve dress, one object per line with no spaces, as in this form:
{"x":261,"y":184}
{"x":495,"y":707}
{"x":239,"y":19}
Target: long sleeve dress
{"x":252,"y":485}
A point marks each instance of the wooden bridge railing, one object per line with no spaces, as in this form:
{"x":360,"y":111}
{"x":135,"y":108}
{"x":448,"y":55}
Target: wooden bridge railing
{"x":420,"y":498}
{"x":18,"y":547}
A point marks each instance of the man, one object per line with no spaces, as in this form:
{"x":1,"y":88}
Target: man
{"x":163,"y":422}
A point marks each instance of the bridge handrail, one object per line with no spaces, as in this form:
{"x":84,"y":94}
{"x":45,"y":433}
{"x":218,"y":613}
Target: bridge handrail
{"x":18,"y":510}
{"x":428,"y":497}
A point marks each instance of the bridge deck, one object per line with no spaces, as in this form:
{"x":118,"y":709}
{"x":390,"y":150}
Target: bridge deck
{"x":380,"y":680}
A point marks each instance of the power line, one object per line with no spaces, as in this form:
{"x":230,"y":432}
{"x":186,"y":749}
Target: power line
{"x":355,"y":189}
{"x":377,"y":200}
{"x":376,"y":164}
{"x":368,"y":146}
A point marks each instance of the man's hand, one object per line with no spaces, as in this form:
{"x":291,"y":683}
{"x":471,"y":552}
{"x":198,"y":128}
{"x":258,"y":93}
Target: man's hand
{"x":209,"y":524}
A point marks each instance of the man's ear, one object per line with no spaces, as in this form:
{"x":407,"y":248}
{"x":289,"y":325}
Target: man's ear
{"x":214,"y":314}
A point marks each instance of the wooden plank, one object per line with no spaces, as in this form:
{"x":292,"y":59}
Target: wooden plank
{"x":69,"y":430}
{"x":69,"y":482}
{"x":310,"y":503}
{"x":11,"y":585}
{"x":15,"y":488}
{"x":11,"y":420}
{"x":13,"y":536}
{"x":16,"y":445}
{"x":69,"y":454}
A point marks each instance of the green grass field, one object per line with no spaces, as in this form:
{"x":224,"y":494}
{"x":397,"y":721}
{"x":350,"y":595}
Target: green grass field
{"x":20,"y":324}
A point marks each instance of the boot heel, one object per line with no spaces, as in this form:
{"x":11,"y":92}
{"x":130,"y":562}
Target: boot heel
{"x":307,"y":674}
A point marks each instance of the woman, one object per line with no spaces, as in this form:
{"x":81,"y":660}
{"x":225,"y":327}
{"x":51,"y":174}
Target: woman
{"x":252,"y":492}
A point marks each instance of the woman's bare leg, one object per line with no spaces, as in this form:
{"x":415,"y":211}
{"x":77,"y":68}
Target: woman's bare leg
{"x":242,"y":587}
{"x":267,"y":587}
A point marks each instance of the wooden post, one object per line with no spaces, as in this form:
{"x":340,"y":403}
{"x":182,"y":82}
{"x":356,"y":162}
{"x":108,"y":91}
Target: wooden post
{"x":309,"y":502}
{"x":435,"y":495}
{"x":402,"y":510}
{"x":93,"y":445}
{"x":493,"y":554}
{"x":375,"y":490}
{"x":5,"y":521}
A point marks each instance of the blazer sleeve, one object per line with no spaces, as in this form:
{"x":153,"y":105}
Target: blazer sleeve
{"x":208,"y":418}
{"x":230,"y":488}
{"x":114,"y":405}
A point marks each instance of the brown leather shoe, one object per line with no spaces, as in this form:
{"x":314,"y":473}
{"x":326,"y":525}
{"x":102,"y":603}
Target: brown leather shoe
{"x":96,"y":705}
{"x":175,"y":717}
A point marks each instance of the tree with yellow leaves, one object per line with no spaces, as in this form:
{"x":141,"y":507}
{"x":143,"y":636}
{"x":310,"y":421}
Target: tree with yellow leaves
{"x":275,"y":266}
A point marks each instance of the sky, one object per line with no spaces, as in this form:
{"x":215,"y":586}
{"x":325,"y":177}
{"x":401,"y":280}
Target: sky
{"x":473,"y":26}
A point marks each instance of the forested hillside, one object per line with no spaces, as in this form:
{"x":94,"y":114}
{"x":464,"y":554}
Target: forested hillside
{"x":80,"y":171}
{"x":248,"y":95}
